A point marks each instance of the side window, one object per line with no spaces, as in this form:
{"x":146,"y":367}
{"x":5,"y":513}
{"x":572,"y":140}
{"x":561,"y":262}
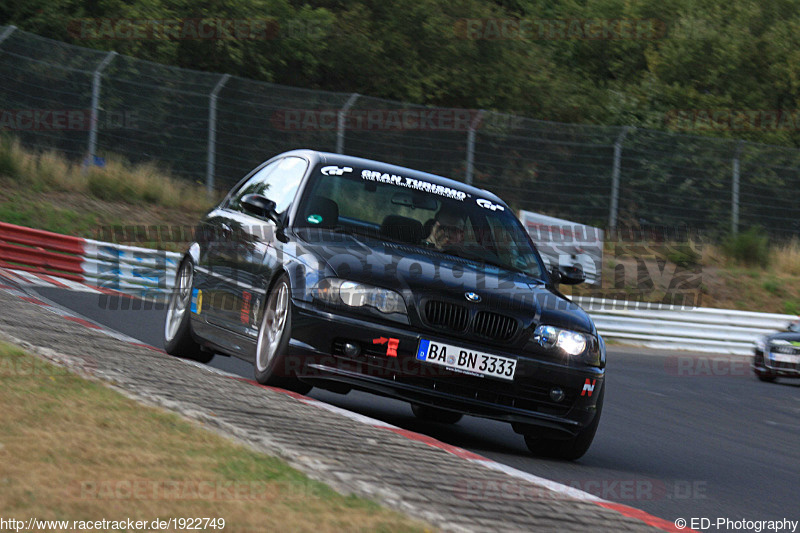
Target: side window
{"x":278,"y":181}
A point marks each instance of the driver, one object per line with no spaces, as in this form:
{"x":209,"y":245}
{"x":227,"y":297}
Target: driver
{"x":447,"y":230}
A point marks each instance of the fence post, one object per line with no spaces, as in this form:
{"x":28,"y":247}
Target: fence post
{"x":212,"y":135}
{"x":95,"y":103}
{"x":7,"y":33}
{"x":735,"y":190}
{"x":340,"y":122}
{"x":615,"y":169}
{"x":473,"y":126}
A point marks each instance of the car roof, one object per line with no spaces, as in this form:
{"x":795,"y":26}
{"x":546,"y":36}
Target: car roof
{"x":386,"y":168}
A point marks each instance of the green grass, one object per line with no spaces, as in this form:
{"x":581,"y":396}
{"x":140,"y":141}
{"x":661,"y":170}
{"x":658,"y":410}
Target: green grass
{"x":25,"y":212}
{"x":773,"y":286}
{"x":62,"y":437}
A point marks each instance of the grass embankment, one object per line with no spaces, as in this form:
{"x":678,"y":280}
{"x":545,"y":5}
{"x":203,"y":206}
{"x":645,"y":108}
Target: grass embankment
{"x":44,"y":190}
{"x":72,"y":449}
{"x":744,"y":272}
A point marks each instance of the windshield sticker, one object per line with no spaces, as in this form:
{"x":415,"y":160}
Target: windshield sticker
{"x":314,"y":219}
{"x":486,"y":204}
{"x":411,"y":183}
{"x":334,"y":170}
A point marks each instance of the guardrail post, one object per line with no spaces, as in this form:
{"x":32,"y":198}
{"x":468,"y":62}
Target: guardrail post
{"x":735,"y":190}
{"x":615,"y":170}
{"x":7,"y":33}
{"x":473,"y":126}
{"x":212,"y":135}
{"x":341,"y":122}
{"x":95,"y":103}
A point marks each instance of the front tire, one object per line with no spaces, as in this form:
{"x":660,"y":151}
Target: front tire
{"x":273,"y":340}
{"x":178,"y":339}
{"x":567,"y":449}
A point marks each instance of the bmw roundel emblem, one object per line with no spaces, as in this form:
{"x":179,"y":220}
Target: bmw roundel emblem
{"x":473,"y":296}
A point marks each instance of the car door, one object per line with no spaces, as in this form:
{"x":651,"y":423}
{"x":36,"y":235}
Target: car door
{"x":251,"y":236}
{"x":218,"y":272}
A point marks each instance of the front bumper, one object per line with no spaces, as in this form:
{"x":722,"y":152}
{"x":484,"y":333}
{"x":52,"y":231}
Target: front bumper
{"x":778,"y":368}
{"x":319,"y":335}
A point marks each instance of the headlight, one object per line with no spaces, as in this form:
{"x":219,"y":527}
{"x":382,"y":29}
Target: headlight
{"x":572,"y":342}
{"x":761,"y":344}
{"x":353,"y":294}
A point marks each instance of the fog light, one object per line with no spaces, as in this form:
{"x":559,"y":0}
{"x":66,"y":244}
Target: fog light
{"x":556,"y":394}
{"x":352,"y":349}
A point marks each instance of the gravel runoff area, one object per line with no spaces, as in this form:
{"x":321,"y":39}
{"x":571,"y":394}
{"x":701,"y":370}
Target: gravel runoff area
{"x":404,"y":471}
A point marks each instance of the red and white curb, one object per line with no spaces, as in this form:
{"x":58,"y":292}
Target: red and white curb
{"x":559,"y":490}
{"x":128,"y":268}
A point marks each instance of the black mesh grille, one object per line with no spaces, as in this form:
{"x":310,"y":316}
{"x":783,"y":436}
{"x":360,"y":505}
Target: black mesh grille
{"x":494,"y":326}
{"x":446,"y":315}
{"x":454,"y":317}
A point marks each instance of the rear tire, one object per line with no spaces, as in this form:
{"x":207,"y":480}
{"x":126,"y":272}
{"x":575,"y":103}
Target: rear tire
{"x":432,"y":414}
{"x":178,"y":340}
{"x":567,"y":449}
{"x":273,"y":340}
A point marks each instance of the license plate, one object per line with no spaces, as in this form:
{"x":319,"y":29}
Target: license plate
{"x":461,"y":359}
{"x":785,"y":358}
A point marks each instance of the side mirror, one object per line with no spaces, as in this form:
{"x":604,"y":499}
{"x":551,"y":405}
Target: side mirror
{"x":571,"y":275}
{"x":567,"y":275}
{"x":555,"y":276}
{"x":261,"y":206}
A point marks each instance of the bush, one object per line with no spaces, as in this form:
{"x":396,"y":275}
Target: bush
{"x":9,"y":159}
{"x":750,"y":247}
{"x":684,"y":255}
{"x":107,"y":186}
{"x":773,"y":286}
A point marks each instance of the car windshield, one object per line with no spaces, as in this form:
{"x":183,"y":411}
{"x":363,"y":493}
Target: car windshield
{"x":416,"y":212}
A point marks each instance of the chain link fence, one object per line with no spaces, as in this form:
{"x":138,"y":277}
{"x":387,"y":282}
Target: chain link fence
{"x":213,"y":128}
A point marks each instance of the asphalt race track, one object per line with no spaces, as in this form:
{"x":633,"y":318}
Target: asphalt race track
{"x":682,"y":435}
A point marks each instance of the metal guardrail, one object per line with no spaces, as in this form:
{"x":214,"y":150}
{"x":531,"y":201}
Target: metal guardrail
{"x":119,"y":267}
{"x":106,"y":265}
{"x":674,"y":328}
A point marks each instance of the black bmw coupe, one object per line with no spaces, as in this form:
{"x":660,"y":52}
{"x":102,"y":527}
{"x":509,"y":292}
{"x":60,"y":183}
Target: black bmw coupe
{"x":339,"y":272}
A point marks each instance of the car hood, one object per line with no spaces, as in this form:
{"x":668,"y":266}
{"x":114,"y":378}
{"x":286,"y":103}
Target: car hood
{"x":788,"y":336}
{"x":421,"y":274}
